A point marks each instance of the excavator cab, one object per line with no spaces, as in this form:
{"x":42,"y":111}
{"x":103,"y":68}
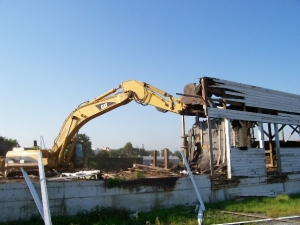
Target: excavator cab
{"x":73,"y":155}
{"x":78,"y":157}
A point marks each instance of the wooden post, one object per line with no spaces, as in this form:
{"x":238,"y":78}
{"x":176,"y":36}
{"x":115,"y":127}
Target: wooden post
{"x":278,"y":159}
{"x":166,"y":158}
{"x":228,"y":147}
{"x":184,"y":138}
{"x":201,"y":133}
{"x":282,"y":133}
{"x":224,"y":141}
{"x":219,"y":144}
{"x":270,"y":144}
{"x":155,"y":158}
{"x":211,"y":154}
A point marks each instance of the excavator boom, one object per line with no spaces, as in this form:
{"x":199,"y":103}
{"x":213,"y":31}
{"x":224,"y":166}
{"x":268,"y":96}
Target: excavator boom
{"x":141,"y":92}
{"x":66,"y":147}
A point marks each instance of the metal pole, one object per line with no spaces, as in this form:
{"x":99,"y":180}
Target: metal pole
{"x":202,"y":207}
{"x":33,"y":192}
{"x":46,"y":208}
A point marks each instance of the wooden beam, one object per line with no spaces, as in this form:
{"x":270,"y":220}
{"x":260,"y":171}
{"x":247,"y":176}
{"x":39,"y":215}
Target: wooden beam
{"x":211,"y":153}
{"x":228,"y":147}
{"x":270,"y":145}
{"x":278,"y":159}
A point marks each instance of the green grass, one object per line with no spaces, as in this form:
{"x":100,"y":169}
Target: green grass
{"x":282,"y":205}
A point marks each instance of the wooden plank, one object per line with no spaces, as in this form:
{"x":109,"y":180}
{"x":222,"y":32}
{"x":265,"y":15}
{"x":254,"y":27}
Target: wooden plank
{"x":294,"y":176}
{"x":259,"y":94}
{"x":236,"y":85}
{"x":246,"y":164}
{"x":274,"y":95}
{"x":249,"y":116}
{"x":290,"y":158}
{"x":239,"y":94}
{"x":266,"y":103}
{"x":261,"y":97}
{"x":291,"y":150}
{"x":249,"y":155}
{"x":250,"y":162}
{"x":234,"y":100}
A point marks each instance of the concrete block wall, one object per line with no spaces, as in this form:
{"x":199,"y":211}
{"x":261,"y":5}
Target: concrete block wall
{"x":72,"y":197}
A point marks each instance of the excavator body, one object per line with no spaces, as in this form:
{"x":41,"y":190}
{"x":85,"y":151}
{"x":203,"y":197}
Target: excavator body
{"x":27,"y":158}
{"x":67,"y":151}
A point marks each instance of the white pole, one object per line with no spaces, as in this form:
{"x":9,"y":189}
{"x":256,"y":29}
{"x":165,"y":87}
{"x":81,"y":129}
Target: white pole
{"x":46,"y":208}
{"x":202,"y":207}
{"x":224,"y":142}
{"x":33,"y":192}
{"x":261,"y":135}
{"x":228,"y":146}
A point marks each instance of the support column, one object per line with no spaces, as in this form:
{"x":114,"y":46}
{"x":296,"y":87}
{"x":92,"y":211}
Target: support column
{"x":219,"y":144}
{"x":166,"y":158}
{"x":211,"y":153}
{"x":282,"y":132}
{"x":228,"y":146}
{"x":224,"y":142}
{"x":184,"y":138}
{"x":270,"y":145}
{"x":261,"y":135}
{"x":201,"y":133}
{"x":278,"y":159}
{"x":155,"y":158}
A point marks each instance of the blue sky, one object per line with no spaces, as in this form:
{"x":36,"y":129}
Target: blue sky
{"x":56,"y":54}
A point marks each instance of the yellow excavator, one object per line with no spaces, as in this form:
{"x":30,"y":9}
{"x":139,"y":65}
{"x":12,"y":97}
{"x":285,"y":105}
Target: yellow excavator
{"x":67,"y":152}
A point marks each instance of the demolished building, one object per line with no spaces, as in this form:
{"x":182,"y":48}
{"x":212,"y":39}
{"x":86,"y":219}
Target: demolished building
{"x":243,"y":129}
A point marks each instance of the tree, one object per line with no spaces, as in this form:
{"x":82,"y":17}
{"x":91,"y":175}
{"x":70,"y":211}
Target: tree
{"x":151,"y":152}
{"x":143,"y":152}
{"x":87,"y":147}
{"x":128,"y":149}
{"x":178,"y":154}
{"x":114,"y":153}
{"x":102,"y":154}
{"x":7,"y":144}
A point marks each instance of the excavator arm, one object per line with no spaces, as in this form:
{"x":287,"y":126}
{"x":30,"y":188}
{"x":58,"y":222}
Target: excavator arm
{"x":141,"y":92}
